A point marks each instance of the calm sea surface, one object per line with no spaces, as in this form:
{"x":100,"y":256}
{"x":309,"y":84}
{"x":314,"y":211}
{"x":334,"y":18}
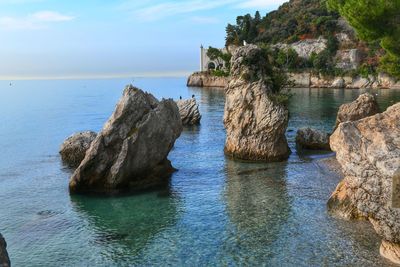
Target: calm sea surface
{"x":215,"y":212}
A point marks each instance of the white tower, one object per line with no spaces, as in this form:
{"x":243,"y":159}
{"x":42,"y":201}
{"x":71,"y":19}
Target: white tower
{"x":201,"y":58}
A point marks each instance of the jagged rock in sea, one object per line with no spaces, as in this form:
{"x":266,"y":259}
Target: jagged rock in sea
{"x":189,"y":111}
{"x":255,"y":124}
{"x":4,"y":258}
{"x":369,"y":152}
{"x":205,"y":79}
{"x":131,"y":150}
{"x":309,"y":138}
{"x":74,"y":148}
{"x":364,"y":106}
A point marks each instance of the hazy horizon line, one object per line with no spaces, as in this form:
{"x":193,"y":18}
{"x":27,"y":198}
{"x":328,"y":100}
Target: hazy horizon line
{"x":171,"y":74}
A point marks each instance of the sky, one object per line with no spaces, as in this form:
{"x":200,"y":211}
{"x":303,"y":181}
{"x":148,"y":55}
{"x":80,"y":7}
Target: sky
{"x":112,"y":38}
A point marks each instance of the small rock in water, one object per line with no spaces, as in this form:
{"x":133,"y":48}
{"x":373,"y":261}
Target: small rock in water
{"x":4,"y":258}
{"x":189,"y":111}
{"x":74,"y":148}
{"x":309,"y":138}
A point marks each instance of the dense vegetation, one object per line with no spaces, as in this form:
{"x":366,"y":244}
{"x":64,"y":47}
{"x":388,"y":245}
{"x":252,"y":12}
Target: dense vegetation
{"x":293,"y":21}
{"x":376,"y":22}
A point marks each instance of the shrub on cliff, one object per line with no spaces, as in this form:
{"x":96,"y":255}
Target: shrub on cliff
{"x":375,"y":20}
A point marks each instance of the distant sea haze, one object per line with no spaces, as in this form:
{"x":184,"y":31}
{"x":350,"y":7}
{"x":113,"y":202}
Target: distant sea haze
{"x":156,"y":74}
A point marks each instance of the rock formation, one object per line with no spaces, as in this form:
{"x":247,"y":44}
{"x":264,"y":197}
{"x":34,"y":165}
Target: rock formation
{"x":189,"y":111}
{"x":255,"y":124}
{"x":4,"y":259}
{"x":74,"y":148}
{"x":369,"y":153}
{"x":131,"y":150}
{"x":364,"y":106}
{"x":205,"y":79}
{"x":312,"y":139}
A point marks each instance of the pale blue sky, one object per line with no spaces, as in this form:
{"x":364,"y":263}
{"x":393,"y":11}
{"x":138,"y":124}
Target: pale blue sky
{"x":83,"y":38}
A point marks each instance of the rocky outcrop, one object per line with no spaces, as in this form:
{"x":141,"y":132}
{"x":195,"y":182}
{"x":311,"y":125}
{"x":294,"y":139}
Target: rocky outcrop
{"x":364,"y":106}
{"x":306,"y":79}
{"x":4,"y":259}
{"x":369,"y":153}
{"x":131,"y":150}
{"x":189,"y":111}
{"x":205,"y":79}
{"x":305,"y":48}
{"x":255,"y":124}
{"x":74,"y":148}
{"x":312,"y":139}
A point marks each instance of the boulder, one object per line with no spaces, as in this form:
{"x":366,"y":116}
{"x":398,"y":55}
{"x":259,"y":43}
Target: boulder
{"x":364,"y":106}
{"x":4,"y":259}
{"x":131,"y":150}
{"x":189,"y":111}
{"x":369,"y":152}
{"x":205,"y":79}
{"x":74,"y":148}
{"x":309,"y":138}
{"x":255,"y":124}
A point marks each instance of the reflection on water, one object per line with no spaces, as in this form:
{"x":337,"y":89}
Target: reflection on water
{"x":216,"y":211}
{"x":122,"y":226}
{"x":258,"y":206}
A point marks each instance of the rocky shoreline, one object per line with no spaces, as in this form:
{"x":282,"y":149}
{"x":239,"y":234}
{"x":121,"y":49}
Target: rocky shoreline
{"x":306,"y":80}
{"x":205,"y":79}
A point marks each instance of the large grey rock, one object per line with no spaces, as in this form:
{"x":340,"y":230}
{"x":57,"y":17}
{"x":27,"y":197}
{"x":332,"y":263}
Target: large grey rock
{"x":255,"y":124}
{"x":189,"y":111}
{"x":369,"y":153}
{"x":4,"y":258}
{"x":364,"y":106}
{"x":132,"y":148}
{"x":309,"y":138}
{"x":74,"y":148}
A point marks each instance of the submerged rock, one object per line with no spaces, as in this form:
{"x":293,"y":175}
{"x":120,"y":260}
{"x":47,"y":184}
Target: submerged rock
{"x":4,"y":259}
{"x":364,"y":106}
{"x":309,"y":138}
{"x":189,"y":111}
{"x":74,"y":148}
{"x":255,"y":124}
{"x":369,"y":153}
{"x":131,"y":150}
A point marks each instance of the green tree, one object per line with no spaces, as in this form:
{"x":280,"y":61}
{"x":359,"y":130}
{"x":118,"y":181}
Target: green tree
{"x":375,"y":20}
{"x":220,"y":57}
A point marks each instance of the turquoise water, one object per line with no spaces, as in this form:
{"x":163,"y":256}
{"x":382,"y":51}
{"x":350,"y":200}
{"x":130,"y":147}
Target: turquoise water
{"x":214,"y":212}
